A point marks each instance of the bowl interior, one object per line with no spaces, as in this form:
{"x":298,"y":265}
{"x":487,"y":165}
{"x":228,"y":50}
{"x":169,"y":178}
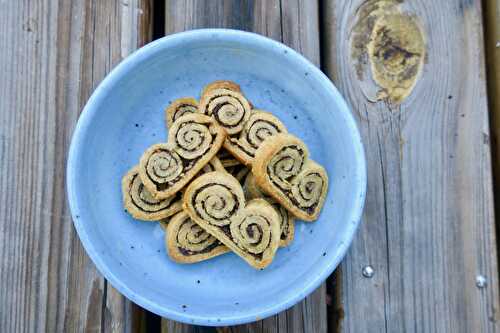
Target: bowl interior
{"x":125,"y":116}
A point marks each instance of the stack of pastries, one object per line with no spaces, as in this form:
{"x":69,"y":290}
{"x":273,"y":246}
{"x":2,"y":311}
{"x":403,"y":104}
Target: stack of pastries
{"x":230,"y":178}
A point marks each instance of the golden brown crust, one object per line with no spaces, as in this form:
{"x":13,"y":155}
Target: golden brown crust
{"x":260,"y":126}
{"x":180,"y":107}
{"x":215,"y":201}
{"x":187,"y":242}
{"x":193,"y":141}
{"x":229,"y":108}
{"x":282,"y":169}
{"x":213,"y":165}
{"x":287,"y":225}
{"x":220,"y":84}
{"x":140,"y":203}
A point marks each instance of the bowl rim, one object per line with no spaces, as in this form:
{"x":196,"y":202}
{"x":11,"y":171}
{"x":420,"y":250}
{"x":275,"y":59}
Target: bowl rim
{"x":89,"y":112}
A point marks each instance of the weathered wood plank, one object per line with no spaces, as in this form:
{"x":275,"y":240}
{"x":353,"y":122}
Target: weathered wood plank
{"x":428,"y":229}
{"x":295,"y":23}
{"x":53,"y":54}
{"x":492,"y":37}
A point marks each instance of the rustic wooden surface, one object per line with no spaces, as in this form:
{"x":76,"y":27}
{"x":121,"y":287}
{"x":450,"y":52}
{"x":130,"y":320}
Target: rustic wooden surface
{"x":428,"y":228}
{"x":492,"y":40}
{"x":295,"y":24}
{"x":52,"y":55}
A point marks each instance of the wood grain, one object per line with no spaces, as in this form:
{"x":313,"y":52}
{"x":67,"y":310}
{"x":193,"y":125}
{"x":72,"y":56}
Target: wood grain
{"x":296,"y":24}
{"x":428,"y":227}
{"x":492,"y":39}
{"x":53,"y":54}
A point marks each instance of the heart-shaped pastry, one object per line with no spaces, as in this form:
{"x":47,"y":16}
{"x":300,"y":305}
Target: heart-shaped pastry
{"x":283,"y":170}
{"x":188,"y":105}
{"x":215,"y":201}
{"x":141,"y":204}
{"x":260,"y":126}
{"x":226,"y":105}
{"x":187,"y":242}
{"x":193,"y":141}
{"x":287,"y":225}
{"x":180,"y":107}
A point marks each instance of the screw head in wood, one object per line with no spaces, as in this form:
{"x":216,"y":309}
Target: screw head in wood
{"x":480,"y":281}
{"x":368,"y":271}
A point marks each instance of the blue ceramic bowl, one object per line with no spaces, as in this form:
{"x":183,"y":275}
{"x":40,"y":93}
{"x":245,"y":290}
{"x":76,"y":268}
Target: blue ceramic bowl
{"x":125,"y":115}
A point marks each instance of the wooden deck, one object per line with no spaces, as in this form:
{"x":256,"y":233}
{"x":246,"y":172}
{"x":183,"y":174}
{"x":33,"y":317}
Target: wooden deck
{"x":428,"y":231}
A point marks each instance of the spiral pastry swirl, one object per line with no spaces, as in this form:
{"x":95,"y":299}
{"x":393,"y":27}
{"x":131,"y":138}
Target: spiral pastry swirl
{"x":285,"y":164}
{"x":252,"y":232}
{"x":191,"y":137}
{"x":164,"y":165}
{"x":187,"y":242}
{"x":214,"y":197}
{"x":180,"y":107}
{"x":259,"y":127}
{"x":283,"y":170}
{"x":307,"y":187}
{"x":215,"y":202}
{"x":229,"y":108}
{"x":141,"y":204}
{"x":193,"y":141}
